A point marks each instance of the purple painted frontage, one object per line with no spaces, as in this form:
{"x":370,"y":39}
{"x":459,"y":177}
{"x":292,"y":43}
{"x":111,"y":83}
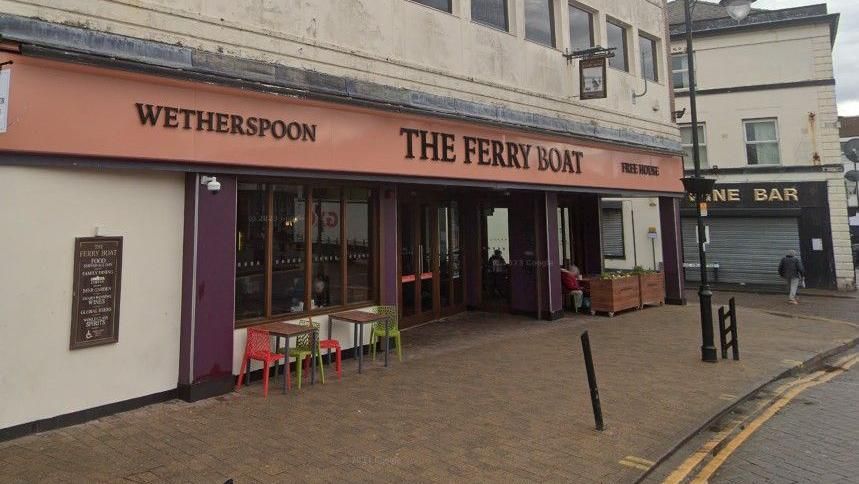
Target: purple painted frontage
{"x":388,"y":252}
{"x":588,"y":216}
{"x":523,"y":255}
{"x":208,"y":289}
{"x":672,"y":249}
{"x":471,"y":247}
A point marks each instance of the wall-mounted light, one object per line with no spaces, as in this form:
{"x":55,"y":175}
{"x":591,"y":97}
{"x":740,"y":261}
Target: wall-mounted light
{"x":212,"y":183}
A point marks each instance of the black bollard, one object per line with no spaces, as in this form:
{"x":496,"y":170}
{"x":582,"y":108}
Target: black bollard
{"x":592,"y":381}
{"x":736,"y":344}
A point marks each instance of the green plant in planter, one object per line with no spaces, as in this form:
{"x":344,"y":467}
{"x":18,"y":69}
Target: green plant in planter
{"x":642,"y":270}
{"x":615,"y":275}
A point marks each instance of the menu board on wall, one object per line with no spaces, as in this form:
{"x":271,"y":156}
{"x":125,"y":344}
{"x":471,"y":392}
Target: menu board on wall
{"x":95,"y":293}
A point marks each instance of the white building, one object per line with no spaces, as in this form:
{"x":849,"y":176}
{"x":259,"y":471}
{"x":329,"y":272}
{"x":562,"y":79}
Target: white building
{"x":769,"y":134}
{"x":358,"y":148}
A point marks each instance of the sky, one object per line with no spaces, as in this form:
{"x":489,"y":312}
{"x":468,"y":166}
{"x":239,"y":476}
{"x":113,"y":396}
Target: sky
{"x":846,"y":48}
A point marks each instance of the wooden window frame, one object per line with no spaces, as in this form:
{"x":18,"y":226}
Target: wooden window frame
{"x":308,"y":253}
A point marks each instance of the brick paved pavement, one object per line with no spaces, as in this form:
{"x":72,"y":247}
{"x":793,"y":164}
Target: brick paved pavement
{"x":479,"y":397}
{"x":814,"y":439}
{"x":845,"y":307}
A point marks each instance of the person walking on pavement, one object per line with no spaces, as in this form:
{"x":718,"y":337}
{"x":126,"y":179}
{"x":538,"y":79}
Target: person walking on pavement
{"x":791,"y":269}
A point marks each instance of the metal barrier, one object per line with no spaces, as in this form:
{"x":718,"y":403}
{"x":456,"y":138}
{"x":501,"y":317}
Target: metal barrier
{"x":731,"y":314}
{"x":592,"y":381}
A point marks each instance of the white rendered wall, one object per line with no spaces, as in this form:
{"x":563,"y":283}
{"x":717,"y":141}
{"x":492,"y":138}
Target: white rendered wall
{"x":43,"y":210}
{"x":646,"y":211}
{"x":403,"y":44}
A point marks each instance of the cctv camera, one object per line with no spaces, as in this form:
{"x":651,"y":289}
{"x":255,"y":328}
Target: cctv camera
{"x":212,"y":183}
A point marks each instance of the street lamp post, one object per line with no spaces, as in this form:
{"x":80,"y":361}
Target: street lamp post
{"x":700,"y":186}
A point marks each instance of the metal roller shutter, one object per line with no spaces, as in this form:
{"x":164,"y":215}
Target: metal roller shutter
{"x":612,"y":232}
{"x":748,"y":250}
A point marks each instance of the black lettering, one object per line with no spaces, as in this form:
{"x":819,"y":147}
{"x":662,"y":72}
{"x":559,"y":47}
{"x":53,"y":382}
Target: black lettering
{"x":171,"y":117}
{"x":431,"y":145}
{"x":278,"y":129}
{"x":513,"y":155}
{"x":252,"y":126}
{"x":447,"y":147}
{"x":293,"y":131}
{"x":579,"y":156}
{"x":308,"y":132}
{"x":223,"y":123}
{"x":146,"y":115}
{"x":498,"y":153}
{"x":568,"y":162}
{"x":543,"y":161}
{"x":470,"y":149}
{"x":264,"y":124}
{"x":410,"y":154}
{"x":483,"y":151}
{"x":236,"y":122}
{"x":526,"y":151}
{"x":186,"y":116}
{"x":204,"y":118}
{"x":555,"y":159}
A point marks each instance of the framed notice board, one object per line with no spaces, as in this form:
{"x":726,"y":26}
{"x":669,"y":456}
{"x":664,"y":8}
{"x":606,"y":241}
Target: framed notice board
{"x":95,"y":292}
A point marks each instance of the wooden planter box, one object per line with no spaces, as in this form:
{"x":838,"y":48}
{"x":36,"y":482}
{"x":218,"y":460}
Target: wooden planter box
{"x":613,"y":295}
{"x":652,"y":288}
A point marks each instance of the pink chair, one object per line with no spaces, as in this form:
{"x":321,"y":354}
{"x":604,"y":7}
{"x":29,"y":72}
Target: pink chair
{"x":258,"y":347}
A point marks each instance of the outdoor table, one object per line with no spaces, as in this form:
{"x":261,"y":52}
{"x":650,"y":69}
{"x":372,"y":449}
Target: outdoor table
{"x":359,"y":319}
{"x":287,"y":330}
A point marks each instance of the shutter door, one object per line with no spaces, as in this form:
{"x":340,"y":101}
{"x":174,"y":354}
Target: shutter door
{"x":748,"y":250}
{"x":612,"y":232}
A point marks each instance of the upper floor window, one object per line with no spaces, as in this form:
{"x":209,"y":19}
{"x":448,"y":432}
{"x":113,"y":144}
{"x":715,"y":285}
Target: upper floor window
{"x":680,"y":71}
{"x":540,"y":21}
{"x":617,"y":39}
{"x":649,"y":59}
{"x":490,"y":12}
{"x":761,"y":136}
{"x":439,"y":4}
{"x":581,"y":29}
{"x":686,"y":141}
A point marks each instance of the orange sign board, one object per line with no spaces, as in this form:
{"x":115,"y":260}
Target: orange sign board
{"x":60,"y":108}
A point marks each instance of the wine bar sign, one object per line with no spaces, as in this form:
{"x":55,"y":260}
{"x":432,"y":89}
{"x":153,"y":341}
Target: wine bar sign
{"x":95,"y":294}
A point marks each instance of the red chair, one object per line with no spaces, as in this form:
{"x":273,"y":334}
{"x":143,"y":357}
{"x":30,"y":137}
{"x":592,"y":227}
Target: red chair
{"x":258,"y":347}
{"x":333,"y":344}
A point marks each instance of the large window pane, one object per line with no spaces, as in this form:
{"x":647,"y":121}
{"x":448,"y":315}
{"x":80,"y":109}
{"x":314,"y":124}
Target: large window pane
{"x":251,"y":229}
{"x":288,"y":243}
{"x":686,"y":141}
{"x":617,"y":40}
{"x":490,"y":12}
{"x":581,"y":29}
{"x":680,"y":71}
{"x":359,"y":244}
{"x":439,"y":4}
{"x":327,"y":281}
{"x":539,"y":22}
{"x":761,"y":142}
{"x":647,"y":47}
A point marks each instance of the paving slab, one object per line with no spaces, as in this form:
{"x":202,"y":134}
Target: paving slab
{"x":482,"y":396}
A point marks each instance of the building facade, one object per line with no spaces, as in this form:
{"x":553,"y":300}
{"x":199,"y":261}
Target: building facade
{"x":178,"y":171}
{"x":769,"y":135}
{"x":849,"y":129}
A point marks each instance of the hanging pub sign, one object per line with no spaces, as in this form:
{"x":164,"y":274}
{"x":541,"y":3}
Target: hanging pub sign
{"x":592,"y":78}
{"x":95,"y":292}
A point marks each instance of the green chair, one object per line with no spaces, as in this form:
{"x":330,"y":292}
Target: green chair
{"x":302,"y":351}
{"x":378,"y":332}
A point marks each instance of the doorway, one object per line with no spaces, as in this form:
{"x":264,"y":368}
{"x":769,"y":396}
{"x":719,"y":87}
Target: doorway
{"x":431,"y":259}
{"x":495,"y":257}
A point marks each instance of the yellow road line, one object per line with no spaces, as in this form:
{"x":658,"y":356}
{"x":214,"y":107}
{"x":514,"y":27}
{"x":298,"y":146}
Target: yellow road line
{"x":734,"y":444}
{"x":691,"y":462}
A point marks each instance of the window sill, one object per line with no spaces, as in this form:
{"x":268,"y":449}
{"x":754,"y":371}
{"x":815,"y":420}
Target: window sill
{"x":493,"y":27}
{"x":292,"y":316}
{"x":413,"y":2}
{"x":541,"y":44}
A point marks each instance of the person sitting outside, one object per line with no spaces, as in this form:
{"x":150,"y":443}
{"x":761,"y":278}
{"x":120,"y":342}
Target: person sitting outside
{"x":572,"y":289}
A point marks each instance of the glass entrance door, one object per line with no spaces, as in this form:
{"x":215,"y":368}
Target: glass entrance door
{"x":431,"y":280}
